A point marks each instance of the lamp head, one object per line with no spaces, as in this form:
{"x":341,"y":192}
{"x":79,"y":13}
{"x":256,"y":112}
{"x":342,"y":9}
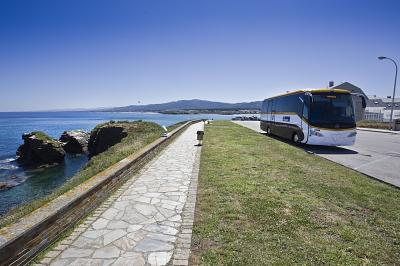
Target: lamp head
{"x":381,"y":57}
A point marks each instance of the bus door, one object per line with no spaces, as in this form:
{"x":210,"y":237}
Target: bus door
{"x":305,"y":116}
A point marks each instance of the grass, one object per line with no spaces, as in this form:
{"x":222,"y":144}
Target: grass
{"x":140,"y":134}
{"x":175,"y":126}
{"x":262,"y":201}
{"x":373,"y":124}
{"x":42,"y":136}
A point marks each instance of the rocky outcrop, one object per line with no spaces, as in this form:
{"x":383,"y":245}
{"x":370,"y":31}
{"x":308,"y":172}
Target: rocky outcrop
{"x":104,"y":136}
{"x":40,"y":150}
{"x":75,"y":141}
{"x":4,"y":185}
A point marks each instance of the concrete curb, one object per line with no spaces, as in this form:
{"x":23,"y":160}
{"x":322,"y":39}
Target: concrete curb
{"x":181,"y":254}
{"x":378,"y":130}
{"x":22,"y":241}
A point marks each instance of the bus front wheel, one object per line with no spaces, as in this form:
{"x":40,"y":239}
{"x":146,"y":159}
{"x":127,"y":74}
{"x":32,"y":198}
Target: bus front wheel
{"x":295,"y":137}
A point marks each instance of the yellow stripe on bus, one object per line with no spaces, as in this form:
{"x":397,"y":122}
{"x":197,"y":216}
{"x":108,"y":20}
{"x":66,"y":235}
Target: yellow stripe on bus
{"x":311,"y":91}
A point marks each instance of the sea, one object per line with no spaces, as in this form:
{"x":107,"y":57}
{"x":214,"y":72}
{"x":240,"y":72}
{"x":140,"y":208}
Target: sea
{"x":29,"y":184}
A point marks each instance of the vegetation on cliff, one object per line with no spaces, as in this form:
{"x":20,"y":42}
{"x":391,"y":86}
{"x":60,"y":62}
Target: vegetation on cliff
{"x":139,"y":134}
{"x":42,"y":136}
{"x":107,"y":135}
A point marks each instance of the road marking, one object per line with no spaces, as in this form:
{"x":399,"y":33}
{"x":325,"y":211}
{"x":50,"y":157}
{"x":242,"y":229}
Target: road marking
{"x":375,"y":161}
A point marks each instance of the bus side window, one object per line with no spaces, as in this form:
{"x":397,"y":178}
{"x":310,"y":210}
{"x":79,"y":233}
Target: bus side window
{"x":273,"y":106}
{"x":305,"y":111}
{"x":264,"y":107}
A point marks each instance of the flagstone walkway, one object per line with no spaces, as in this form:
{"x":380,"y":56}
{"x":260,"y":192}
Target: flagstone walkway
{"x":148,"y":221}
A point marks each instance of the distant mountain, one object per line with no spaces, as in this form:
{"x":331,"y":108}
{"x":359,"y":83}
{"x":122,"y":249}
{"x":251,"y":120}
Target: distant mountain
{"x":187,"y":105}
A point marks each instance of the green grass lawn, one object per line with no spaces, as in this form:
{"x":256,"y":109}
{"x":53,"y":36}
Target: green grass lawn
{"x":262,"y":201}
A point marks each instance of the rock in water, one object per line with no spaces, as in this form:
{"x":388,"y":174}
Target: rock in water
{"x":75,"y":141}
{"x":40,"y":150}
{"x":4,"y":185}
{"x":105,"y":136}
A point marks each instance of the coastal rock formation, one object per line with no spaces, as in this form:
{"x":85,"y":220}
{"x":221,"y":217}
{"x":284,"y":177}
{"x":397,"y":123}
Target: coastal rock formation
{"x":104,"y":136}
{"x":4,"y":185}
{"x":75,"y":141}
{"x":40,"y":150}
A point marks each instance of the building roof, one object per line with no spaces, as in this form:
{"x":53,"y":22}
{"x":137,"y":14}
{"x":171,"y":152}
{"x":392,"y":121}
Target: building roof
{"x":383,"y":102}
{"x":350,"y":87}
{"x":372,"y":101}
{"x":384,"y":99}
{"x":389,"y":100}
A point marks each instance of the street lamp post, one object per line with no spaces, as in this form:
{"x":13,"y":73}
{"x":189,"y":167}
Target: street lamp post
{"x":394,"y":88}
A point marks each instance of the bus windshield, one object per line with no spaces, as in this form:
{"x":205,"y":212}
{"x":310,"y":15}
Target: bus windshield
{"x":332,"y":110}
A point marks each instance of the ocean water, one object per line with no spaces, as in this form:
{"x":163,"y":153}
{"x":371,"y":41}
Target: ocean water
{"x":32,"y":184}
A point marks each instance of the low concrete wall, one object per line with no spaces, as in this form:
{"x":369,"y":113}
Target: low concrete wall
{"x":23,"y":240}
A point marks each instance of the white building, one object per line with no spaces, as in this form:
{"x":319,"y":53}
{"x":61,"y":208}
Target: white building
{"x":381,"y":107}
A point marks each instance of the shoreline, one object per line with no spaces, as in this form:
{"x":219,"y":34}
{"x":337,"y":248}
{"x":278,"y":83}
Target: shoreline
{"x":30,"y":182}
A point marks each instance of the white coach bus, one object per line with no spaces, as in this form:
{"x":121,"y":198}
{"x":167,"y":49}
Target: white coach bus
{"x":316,"y":117}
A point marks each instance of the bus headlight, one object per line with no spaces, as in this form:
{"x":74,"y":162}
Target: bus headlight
{"x":352,"y":134}
{"x":314,"y":132}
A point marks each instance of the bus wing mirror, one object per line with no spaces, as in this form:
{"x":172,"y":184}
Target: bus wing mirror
{"x":363,"y":102}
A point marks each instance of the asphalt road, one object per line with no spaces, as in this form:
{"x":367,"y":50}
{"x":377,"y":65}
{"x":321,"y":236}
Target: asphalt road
{"x":375,"y":154}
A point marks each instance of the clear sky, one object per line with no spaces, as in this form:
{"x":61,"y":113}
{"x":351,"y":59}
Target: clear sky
{"x":84,"y":54}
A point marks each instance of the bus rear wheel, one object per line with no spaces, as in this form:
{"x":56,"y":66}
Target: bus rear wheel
{"x":295,"y":137}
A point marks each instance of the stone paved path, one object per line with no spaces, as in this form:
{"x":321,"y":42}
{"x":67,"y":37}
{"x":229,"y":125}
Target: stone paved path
{"x":146,"y":222}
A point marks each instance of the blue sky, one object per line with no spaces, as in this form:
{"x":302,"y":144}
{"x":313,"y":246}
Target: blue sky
{"x":84,"y":54}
